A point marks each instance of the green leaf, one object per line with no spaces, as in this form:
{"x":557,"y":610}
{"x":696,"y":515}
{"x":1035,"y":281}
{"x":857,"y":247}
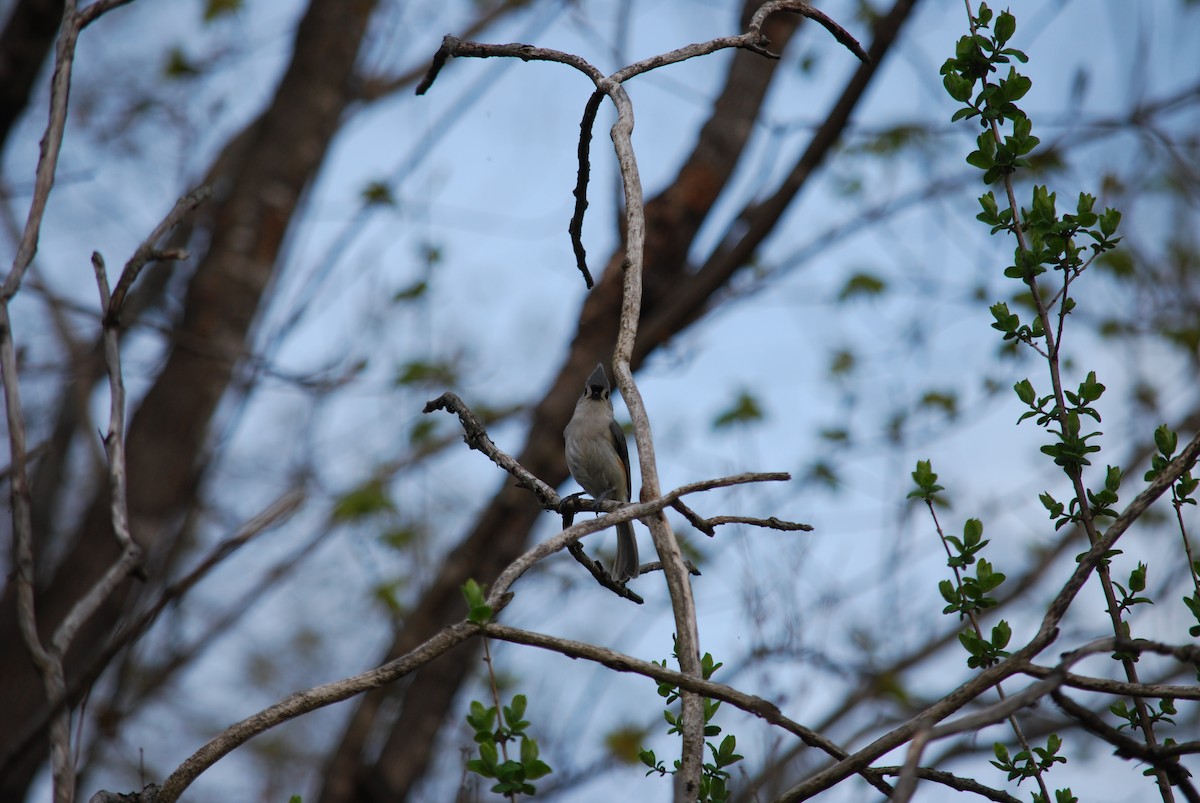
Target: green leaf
{"x":1112,"y":478}
{"x":973,"y":531}
{"x":178,"y":66}
{"x":422,"y":372}
{"x":957,"y":87}
{"x":478,"y":611}
{"x":1025,"y":391}
{"x":862,"y":284}
{"x":1137,"y":579}
{"x":842,"y":362}
{"x":1109,"y":222}
{"x":514,"y":713}
{"x":1090,"y":390}
{"x":490,"y":758}
{"x":1166,"y":441}
{"x":377,"y":193}
{"x":369,"y":499}
{"x":745,"y":408}
{"x":1001,"y":634}
{"x":529,"y":751}
{"x":926,"y":482}
{"x":412,"y":292}
{"x":1006,"y":26}
{"x":219,"y":8}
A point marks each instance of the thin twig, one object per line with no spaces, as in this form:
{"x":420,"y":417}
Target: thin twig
{"x":146,"y":252}
{"x":475,"y":436}
{"x":583,"y":175}
{"x":597,"y":570}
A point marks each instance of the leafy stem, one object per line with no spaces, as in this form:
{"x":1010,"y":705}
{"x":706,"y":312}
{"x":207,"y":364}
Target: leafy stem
{"x":1044,"y":238}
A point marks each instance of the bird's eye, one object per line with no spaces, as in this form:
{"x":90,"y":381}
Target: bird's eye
{"x":606,"y":394}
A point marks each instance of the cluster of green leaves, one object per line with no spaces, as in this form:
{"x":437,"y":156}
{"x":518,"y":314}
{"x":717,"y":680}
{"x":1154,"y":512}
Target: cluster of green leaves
{"x":1166,"y":441}
{"x":984,"y":651}
{"x":1053,"y":240}
{"x":512,"y":776}
{"x":1072,"y":448}
{"x":927,"y":487}
{"x":1183,"y":492}
{"x":714,"y":777}
{"x":975,"y":58}
{"x":493,"y":731}
{"x":1060,"y":796}
{"x":1130,"y":718}
{"x":1130,"y":594}
{"x":1099,"y":502}
{"x":970,"y":595}
{"x":1028,"y":763}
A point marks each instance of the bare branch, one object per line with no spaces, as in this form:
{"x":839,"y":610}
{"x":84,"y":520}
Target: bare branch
{"x":771,"y":523}
{"x":922,"y":734}
{"x":273,"y":515}
{"x":47,"y":662}
{"x":453,"y":46}
{"x":475,"y":436}
{"x":953,"y":782}
{"x":575,"y":227}
{"x":1118,"y":687}
{"x":98,"y":9}
{"x":146,"y":252}
{"x":51,"y":145}
{"x":602,"y":577}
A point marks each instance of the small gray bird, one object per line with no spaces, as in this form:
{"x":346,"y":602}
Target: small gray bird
{"x":598,"y":458}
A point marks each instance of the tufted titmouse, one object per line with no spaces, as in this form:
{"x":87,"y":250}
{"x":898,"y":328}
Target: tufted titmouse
{"x":598,"y":458}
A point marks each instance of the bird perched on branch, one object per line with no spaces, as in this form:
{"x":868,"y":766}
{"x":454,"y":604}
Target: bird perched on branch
{"x":598,"y":458}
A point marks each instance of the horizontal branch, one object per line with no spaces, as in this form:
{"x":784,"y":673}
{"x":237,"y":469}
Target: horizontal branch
{"x":955,"y":782}
{"x":1119,"y":688}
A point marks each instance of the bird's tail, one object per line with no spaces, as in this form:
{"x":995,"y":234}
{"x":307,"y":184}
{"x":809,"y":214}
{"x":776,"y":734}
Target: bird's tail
{"x":626,"y":566}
